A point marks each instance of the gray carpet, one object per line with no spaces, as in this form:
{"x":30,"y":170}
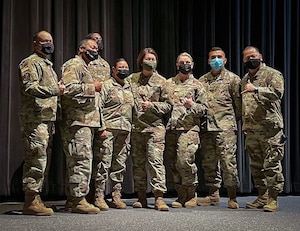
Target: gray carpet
{"x":199,"y":218}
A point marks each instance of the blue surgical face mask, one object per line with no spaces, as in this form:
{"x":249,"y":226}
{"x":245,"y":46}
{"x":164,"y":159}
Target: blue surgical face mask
{"x":216,"y":64}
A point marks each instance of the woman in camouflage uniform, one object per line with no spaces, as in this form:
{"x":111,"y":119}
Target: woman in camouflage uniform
{"x":148,"y":130}
{"x":188,"y":100}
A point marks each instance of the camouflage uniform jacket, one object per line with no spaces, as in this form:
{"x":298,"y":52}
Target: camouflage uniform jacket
{"x":262,"y":110}
{"x":78,"y":101}
{"x":39,"y":90}
{"x":116,"y":102}
{"x":99,"y":69}
{"x":182,"y":118}
{"x":224,"y":100}
{"x":150,"y":88}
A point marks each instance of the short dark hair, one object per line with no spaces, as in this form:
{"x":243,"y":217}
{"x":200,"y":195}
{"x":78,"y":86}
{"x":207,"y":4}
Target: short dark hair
{"x":37,"y":35}
{"x":83,"y":43}
{"x":251,"y":47}
{"x":90,"y":35}
{"x":119,"y":60}
{"x":216,"y":49}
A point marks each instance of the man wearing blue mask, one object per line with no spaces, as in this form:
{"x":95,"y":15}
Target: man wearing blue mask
{"x":218,"y":135}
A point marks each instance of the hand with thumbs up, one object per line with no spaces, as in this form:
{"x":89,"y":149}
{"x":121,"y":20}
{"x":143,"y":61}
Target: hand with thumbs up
{"x":249,"y":87}
{"x":187,"y":102}
{"x":145,"y":103}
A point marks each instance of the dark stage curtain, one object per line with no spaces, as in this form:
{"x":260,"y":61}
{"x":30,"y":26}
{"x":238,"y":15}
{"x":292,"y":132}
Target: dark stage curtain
{"x":170,"y":27}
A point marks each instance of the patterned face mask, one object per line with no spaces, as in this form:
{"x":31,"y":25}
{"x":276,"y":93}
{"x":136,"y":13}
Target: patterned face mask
{"x":149,"y":65}
{"x":185,"y":68}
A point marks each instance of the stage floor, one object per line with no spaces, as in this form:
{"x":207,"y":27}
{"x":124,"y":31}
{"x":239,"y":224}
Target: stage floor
{"x":199,"y":218}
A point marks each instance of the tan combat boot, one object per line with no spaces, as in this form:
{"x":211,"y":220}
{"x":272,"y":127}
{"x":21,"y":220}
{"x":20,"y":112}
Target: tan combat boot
{"x":160,"y":204}
{"x":232,"y":202}
{"x":272,"y":205}
{"x":68,"y":204}
{"x":213,"y":198}
{"x":100,"y":201}
{"x":90,"y":197}
{"x":80,"y":205}
{"x":260,"y":201}
{"x":191,"y":197}
{"x":48,"y":205}
{"x":142,"y":200}
{"x":116,"y":197}
{"x":181,"y":193}
{"x":33,"y":205}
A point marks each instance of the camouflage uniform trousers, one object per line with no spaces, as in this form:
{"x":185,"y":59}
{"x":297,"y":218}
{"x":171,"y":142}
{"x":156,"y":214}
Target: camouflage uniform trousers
{"x":266,"y":151}
{"x":77,"y":145}
{"x":110,"y":155}
{"x":147,"y":150}
{"x":180,"y":150}
{"x":38,"y":148}
{"x":218,"y":152}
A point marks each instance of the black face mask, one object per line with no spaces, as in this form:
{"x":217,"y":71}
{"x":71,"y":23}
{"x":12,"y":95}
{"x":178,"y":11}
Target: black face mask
{"x":123,"y":73}
{"x":91,"y":55}
{"x":185,"y":68}
{"x":252,"y":63}
{"x":47,"y":48}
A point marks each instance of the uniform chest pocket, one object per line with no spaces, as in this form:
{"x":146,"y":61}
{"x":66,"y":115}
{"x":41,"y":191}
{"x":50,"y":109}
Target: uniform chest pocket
{"x":219,"y":89}
{"x":117,"y":95}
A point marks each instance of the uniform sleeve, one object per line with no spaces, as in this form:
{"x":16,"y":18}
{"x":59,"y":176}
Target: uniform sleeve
{"x":31,"y":74}
{"x":274,"y":89}
{"x":163,"y":106}
{"x":74,"y":84}
{"x":103,"y":96}
{"x":236,"y":97}
{"x":199,"y":107}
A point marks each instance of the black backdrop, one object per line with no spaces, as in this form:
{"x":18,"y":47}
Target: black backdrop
{"x":170,"y":27}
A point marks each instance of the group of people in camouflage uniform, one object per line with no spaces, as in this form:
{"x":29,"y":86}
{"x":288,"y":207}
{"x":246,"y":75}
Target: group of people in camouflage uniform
{"x":160,"y":122}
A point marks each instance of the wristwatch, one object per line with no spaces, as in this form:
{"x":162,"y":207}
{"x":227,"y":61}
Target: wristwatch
{"x":256,"y":89}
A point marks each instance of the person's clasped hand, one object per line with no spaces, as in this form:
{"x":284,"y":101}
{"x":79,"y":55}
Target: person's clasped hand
{"x":98,"y":85}
{"x":61,"y":87}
